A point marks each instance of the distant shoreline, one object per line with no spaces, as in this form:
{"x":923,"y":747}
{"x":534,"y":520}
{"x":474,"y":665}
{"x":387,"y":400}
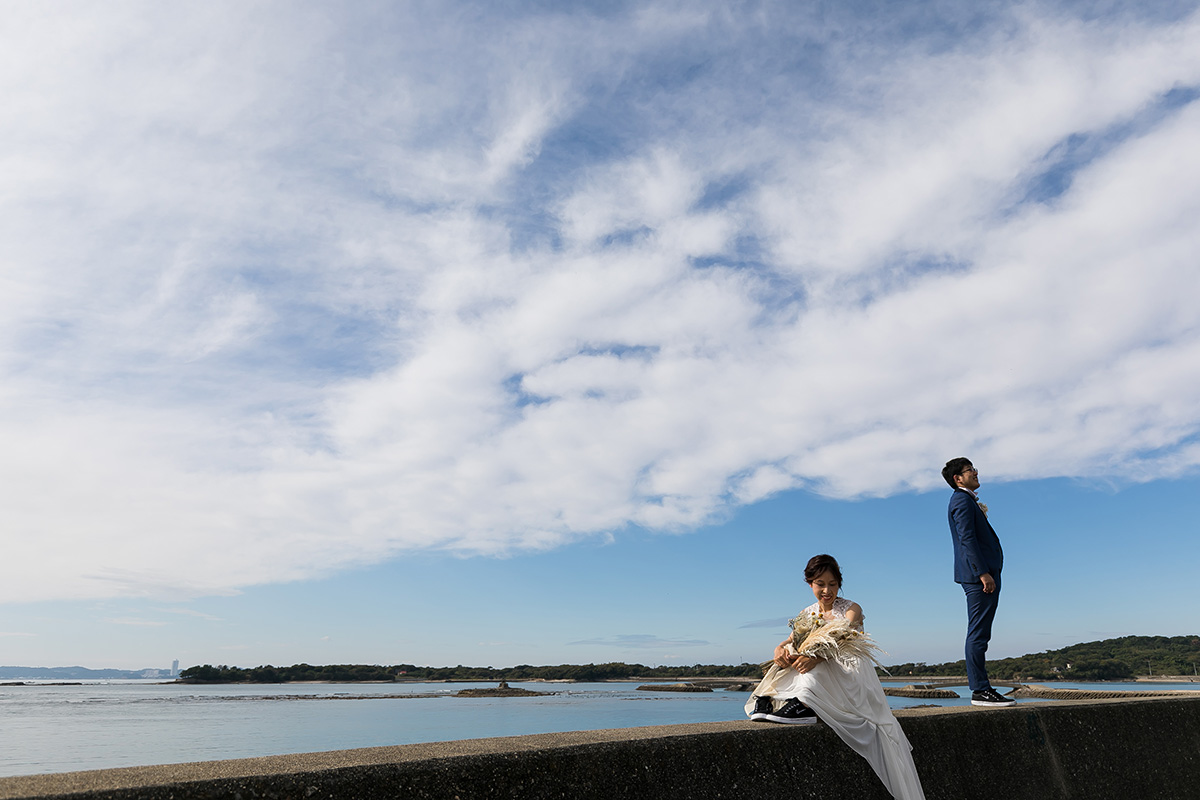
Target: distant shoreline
{"x":752,"y":679}
{"x":744,"y":683}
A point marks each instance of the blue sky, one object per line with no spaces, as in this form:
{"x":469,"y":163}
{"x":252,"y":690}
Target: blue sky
{"x":520,"y":332}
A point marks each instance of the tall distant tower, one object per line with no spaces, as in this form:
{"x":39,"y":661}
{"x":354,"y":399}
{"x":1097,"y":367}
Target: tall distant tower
{"x":175,"y":668}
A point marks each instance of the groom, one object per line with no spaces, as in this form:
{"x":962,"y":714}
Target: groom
{"x":978,"y":560}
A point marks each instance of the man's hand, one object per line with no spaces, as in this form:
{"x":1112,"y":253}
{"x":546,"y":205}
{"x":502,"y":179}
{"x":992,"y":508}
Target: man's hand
{"x":989,"y":583}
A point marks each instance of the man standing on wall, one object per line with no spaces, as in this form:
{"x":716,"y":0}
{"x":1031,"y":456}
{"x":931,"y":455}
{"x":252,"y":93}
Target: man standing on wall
{"x":978,"y":561}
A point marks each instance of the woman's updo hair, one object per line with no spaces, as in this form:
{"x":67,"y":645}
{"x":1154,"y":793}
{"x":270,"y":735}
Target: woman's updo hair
{"x":822,"y":563}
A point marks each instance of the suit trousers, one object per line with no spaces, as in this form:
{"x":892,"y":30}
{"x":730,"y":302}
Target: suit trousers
{"x":981,"y":610}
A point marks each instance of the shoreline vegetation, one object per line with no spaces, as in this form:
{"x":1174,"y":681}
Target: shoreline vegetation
{"x":1129,"y":658}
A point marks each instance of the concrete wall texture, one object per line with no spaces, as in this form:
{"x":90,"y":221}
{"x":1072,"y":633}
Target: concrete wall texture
{"x":1149,"y":749}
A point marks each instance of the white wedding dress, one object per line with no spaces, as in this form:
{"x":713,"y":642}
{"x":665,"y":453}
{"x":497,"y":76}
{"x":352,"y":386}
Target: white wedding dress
{"x":849,"y":698}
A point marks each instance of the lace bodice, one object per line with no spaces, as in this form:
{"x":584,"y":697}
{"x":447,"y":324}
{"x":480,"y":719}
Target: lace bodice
{"x":840,"y":606}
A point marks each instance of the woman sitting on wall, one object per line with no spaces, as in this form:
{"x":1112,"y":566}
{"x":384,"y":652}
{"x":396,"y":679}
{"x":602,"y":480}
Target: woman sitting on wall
{"x":826,"y":669}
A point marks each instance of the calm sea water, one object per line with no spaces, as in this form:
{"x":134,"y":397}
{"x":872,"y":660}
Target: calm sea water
{"x":46,"y":728}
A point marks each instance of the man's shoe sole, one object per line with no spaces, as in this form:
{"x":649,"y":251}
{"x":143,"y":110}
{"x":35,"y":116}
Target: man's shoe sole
{"x":759,"y":717}
{"x":992,"y":704}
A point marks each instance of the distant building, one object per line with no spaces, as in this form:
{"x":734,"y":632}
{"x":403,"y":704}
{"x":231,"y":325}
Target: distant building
{"x":175,"y":668}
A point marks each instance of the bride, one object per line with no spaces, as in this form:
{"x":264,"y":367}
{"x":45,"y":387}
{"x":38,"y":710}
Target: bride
{"x":843,"y":692}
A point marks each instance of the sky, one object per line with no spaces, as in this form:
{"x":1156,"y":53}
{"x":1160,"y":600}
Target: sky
{"x":525,"y":332}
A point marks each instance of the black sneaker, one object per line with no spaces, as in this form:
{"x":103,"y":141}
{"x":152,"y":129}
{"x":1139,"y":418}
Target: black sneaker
{"x":793,"y":712}
{"x":762,"y":707}
{"x":990,"y":697}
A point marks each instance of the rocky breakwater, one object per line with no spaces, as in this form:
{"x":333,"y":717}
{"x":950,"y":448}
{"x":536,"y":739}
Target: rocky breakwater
{"x":920,"y":690}
{"x":503,"y":690}
{"x":1036,"y":692}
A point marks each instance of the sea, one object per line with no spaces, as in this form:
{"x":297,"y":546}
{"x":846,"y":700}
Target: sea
{"x":47,"y":727}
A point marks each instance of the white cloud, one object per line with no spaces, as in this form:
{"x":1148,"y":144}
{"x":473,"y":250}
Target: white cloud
{"x":289,"y":292}
{"x":641,"y":641}
{"x":187,"y":612}
{"x":135,"y":622}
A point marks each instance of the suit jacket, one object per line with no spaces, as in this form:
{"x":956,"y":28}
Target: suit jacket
{"x":976,"y":546}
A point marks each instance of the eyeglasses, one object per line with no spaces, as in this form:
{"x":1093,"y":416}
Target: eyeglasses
{"x":969,"y":469}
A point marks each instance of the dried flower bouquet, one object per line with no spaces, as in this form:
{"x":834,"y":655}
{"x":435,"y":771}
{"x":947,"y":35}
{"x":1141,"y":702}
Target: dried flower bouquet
{"x":837,"y":639}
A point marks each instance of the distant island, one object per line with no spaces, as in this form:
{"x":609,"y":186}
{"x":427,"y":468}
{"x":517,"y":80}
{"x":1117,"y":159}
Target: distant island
{"x":399,"y":673}
{"x":80,"y":674}
{"x":1126,"y":658}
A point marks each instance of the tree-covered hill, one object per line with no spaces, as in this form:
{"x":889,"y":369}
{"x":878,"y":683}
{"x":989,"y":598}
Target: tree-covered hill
{"x":1110,"y":659}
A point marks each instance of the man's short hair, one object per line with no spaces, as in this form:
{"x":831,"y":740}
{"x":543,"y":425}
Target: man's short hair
{"x":954,"y":466}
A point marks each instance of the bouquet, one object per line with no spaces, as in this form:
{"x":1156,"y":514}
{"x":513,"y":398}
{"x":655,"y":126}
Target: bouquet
{"x":837,"y":639}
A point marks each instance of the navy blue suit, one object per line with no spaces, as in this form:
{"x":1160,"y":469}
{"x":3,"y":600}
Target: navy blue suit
{"x":976,"y":551}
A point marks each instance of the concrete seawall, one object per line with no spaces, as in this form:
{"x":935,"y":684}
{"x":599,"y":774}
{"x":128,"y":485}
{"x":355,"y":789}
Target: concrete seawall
{"x":1096,"y":749}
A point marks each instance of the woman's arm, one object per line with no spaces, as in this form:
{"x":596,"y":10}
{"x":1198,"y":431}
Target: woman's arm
{"x":782,"y":657}
{"x":854,"y":615}
{"x":803,"y":664}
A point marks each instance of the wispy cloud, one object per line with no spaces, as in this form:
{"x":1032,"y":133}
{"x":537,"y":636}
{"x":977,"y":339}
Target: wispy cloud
{"x":780,"y":622}
{"x":135,"y":622}
{"x":187,"y":612}
{"x":289,"y":292}
{"x":639,"y":641}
